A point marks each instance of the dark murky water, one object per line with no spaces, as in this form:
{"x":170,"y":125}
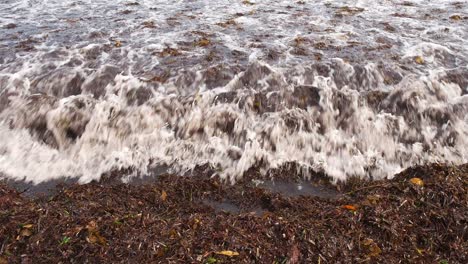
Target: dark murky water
{"x":292,"y":189}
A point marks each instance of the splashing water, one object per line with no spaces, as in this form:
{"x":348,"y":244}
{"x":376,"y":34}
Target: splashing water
{"x":348,"y":88}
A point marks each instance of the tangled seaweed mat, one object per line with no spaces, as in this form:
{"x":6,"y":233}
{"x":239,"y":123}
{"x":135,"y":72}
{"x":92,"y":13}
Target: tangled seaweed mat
{"x":418,"y":217}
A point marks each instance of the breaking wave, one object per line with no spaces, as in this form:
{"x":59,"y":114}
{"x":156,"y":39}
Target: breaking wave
{"x":328,"y":87}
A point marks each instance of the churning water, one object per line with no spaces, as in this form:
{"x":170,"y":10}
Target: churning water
{"x":349,"y":87}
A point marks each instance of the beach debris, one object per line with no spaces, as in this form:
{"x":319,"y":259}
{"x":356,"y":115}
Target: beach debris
{"x":168,"y":51}
{"x":115,"y":223}
{"x":372,"y":247}
{"x":94,"y":237}
{"x":25,"y":231}
{"x":148,"y":24}
{"x":348,"y":11}
{"x":203,"y":42}
{"x":349,"y":207}
{"x":417,"y":181}
{"x":163,"y":196}
{"x":247,"y":2}
{"x":65,"y":240}
{"x":227,"y":23}
{"x":211,"y":260}
{"x":228,"y":253}
{"x":419,"y":60}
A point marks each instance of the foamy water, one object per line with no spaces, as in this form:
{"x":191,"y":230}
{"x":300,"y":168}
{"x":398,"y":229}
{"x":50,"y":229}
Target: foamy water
{"x":349,"y":88}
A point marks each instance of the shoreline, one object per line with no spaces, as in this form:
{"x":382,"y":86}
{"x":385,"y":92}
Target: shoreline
{"x":199,"y":219}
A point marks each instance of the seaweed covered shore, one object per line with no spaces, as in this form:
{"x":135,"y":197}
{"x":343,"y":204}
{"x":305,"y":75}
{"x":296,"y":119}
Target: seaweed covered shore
{"x":420,"y":216}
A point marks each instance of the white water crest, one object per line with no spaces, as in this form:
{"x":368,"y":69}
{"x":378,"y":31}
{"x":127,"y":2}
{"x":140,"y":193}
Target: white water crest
{"x":348,"y":88}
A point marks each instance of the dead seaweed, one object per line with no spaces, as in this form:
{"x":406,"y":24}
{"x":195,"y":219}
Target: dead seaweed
{"x":420,"y":216}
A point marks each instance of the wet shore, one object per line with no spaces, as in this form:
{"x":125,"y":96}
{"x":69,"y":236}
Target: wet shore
{"x":420,"y":216}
